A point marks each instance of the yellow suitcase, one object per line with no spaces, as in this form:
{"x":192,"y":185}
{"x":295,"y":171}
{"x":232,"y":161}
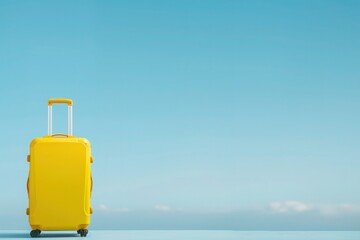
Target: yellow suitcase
{"x":59,"y":184}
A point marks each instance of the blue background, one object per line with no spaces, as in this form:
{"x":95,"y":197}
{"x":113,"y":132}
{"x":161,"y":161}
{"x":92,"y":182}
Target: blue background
{"x":201,"y":114}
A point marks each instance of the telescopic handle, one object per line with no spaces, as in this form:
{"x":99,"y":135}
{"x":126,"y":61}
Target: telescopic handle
{"x":69,"y":102}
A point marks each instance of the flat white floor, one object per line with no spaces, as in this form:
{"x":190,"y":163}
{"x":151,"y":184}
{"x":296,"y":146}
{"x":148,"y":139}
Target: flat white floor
{"x":192,"y":235}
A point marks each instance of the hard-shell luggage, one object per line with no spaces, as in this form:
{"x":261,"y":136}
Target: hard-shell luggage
{"x":59,"y":184}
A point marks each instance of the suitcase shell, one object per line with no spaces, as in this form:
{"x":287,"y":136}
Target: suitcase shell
{"x":59,"y":184}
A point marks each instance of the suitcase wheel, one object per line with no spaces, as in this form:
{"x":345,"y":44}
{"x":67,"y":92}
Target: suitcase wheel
{"x":82,"y":232}
{"x":35,"y":233}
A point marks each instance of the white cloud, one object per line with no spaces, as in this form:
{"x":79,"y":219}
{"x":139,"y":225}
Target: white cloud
{"x":333,"y":209}
{"x":324,"y":209}
{"x":104,"y":208}
{"x":290,"y":206}
{"x":161,"y":207}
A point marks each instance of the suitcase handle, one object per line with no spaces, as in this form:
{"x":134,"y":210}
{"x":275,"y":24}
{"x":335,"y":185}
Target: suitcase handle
{"x":69,"y":102}
{"x":60,"y":135}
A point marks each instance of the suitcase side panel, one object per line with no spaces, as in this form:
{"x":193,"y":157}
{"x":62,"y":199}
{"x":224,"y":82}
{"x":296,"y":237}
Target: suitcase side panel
{"x":59,"y":183}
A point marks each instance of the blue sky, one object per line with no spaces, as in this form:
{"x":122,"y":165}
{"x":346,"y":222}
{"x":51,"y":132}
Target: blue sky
{"x":202,"y":114}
